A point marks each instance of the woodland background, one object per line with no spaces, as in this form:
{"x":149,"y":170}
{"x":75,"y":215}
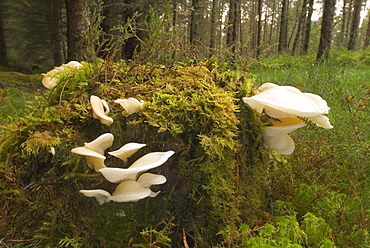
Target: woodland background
{"x":193,"y":61}
{"x":42,"y":33}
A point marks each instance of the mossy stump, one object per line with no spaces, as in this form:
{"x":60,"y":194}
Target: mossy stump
{"x":215,"y":181}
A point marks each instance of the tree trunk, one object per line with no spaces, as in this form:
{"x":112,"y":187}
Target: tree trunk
{"x":234,"y":24}
{"x":77,"y":30}
{"x":214,"y":21}
{"x":301,"y":19}
{"x":259,"y":27}
{"x":348,"y":18}
{"x":195,"y":22}
{"x":326,"y":29}
{"x":344,"y":19}
{"x":355,"y":24}
{"x":56,"y":32}
{"x":272,"y":38}
{"x":367,"y":38}
{"x":307,"y":33}
{"x":3,"y":52}
{"x":109,"y":46}
{"x":283,"y":34}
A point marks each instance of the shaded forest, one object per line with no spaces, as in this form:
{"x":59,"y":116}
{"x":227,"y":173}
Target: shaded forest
{"x":42,"y":33}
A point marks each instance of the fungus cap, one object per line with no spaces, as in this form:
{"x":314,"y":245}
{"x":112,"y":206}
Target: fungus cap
{"x":149,"y":179}
{"x":280,"y":102}
{"x":74,"y":64}
{"x":100,"y":195}
{"x":101,"y":143}
{"x":129,"y":191}
{"x":118,"y":175}
{"x":51,"y":78}
{"x":281,"y":143}
{"x":283,"y":126}
{"x":127,"y":151}
{"x":94,"y":159}
{"x":130,"y":106}
{"x":321,"y":121}
{"x":267,"y":86}
{"x":146,"y":162}
{"x":98,"y":106}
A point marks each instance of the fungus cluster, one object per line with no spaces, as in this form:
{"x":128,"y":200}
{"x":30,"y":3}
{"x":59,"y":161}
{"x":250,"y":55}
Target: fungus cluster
{"x":286,"y":108}
{"x":50,"y":79}
{"x":101,"y":108}
{"x":133,"y":183}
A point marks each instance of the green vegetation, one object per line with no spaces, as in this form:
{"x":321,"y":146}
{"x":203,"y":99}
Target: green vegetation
{"x":224,"y":188}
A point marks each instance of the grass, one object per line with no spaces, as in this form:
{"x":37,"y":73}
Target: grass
{"x":16,"y":90}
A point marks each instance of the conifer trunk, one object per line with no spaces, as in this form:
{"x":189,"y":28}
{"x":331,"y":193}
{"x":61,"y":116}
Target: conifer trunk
{"x":354,"y":25}
{"x":55,"y":32}
{"x":214,"y":20}
{"x":283,"y":34}
{"x":307,"y":33}
{"x":300,"y":26}
{"x":259,"y":27}
{"x":77,"y":29}
{"x":326,"y":29}
{"x":233,"y":32}
{"x":3,"y":52}
{"x":367,"y":38}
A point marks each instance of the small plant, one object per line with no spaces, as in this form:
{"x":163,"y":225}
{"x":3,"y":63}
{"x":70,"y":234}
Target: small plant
{"x":284,"y":231}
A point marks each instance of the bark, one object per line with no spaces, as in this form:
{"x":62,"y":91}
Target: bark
{"x":344,"y":18}
{"x":77,"y":30}
{"x":307,"y":32}
{"x":234,"y":24}
{"x":367,"y":38}
{"x":272,"y":24}
{"x":56,"y":32}
{"x":111,"y":13}
{"x":348,"y":18}
{"x":259,"y":27}
{"x":3,"y":51}
{"x":354,"y":25}
{"x":301,"y":19}
{"x":326,"y":29}
{"x":283,"y":33}
{"x":195,"y":22}
{"x":214,"y":22}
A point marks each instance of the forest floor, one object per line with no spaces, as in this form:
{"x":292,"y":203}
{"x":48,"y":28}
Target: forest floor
{"x":15,"y":90}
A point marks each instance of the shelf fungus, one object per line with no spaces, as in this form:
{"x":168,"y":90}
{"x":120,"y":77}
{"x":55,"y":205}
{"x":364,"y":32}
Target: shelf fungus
{"x":100,"y":110}
{"x":276,"y":134}
{"x":146,"y":162}
{"x":133,"y":183}
{"x":131,"y":191}
{"x":100,"y":195}
{"x":130,"y":106}
{"x":128,"y":191}
{"x":51,"y":78}
{"x":149,"y":179}
{"x":127,"y":151}
{"x":94,"y":151}
{"x":285,"y":105}
{"x":287,"y":102}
